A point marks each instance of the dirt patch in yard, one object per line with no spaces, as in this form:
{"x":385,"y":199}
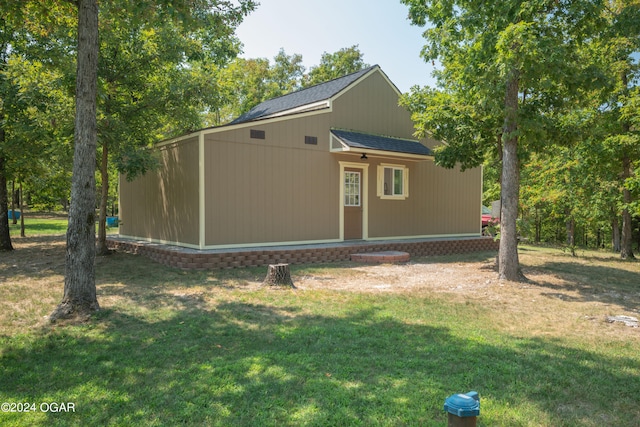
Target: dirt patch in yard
{"x":562,"y":292}
{"x":461,"y":277}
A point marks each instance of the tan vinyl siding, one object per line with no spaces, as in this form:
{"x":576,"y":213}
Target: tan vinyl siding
{"x":272,"y":190}
{"x":372,"y":106}
{"x":440,"y":202}
{"x":163,"y":205}
{"x":304,"y":180}
{"x":282,"y":133}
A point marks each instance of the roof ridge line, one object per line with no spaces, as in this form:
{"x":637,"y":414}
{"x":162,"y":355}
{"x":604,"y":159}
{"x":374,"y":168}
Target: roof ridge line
{"x":319,"y":84}
{"x":319,"y":92}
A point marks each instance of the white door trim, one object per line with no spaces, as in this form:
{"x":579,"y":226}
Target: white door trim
{"x":364,"y":197}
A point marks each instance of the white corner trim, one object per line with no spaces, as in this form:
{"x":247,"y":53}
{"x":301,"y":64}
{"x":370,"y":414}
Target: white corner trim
{"x":201,"y":193}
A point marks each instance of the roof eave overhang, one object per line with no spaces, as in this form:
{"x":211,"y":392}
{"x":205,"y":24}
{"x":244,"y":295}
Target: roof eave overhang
{"x":320,"y":105}
{"x":358,"y":151}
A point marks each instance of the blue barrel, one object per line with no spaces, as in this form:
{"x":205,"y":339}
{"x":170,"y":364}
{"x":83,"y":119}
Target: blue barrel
{"x":12,"y":213}
{"x":112,"y":221}
{"x":463,"y":405}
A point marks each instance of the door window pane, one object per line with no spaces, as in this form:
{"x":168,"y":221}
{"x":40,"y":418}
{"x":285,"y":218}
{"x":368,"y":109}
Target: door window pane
{"x":351,"y":188}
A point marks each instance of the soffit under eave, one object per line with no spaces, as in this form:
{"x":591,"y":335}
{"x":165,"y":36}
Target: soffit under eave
{"x":381,"y":154}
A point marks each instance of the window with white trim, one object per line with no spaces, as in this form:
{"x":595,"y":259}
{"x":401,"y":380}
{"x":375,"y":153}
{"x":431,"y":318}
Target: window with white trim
{"x":393,"y":181}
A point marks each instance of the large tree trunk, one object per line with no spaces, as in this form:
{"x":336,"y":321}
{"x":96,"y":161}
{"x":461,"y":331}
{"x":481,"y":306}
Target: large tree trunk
{"x":508,"y":263}
{"x":5,"y":236}
{"x":80,"y":284}
{"x":104,"y":194}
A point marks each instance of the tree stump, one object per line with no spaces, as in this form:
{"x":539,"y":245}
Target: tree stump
{"x":279,"y":274}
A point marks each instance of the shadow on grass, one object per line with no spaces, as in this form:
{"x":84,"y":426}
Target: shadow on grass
{"x":593,"y":283}
{"x":266,"y":358}
{"x":38,"y":256}
{"x":246,"y":364}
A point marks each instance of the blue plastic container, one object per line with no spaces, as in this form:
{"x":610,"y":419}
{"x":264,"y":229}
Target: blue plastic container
{"x":112,"y":221}
{"x":12,"y":213}
{"x":463,"y":405}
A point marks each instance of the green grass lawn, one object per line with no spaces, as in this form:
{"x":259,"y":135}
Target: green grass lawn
{"x":39,"y":226}
{"x":172,"y":347}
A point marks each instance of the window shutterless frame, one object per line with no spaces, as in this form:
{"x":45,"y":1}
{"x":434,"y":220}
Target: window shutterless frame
{"x":393,"y":182}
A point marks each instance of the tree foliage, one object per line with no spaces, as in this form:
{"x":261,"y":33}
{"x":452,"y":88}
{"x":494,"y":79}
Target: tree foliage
{"x":511,"y":71}
{"x":244,"y":84}
{"x":333,"y":65}
{"x":166,"y":91}
{"x":34,"y":37}
{"x":247,"y":82}
{"x":604,"y":133}
{"x":146,"y":56}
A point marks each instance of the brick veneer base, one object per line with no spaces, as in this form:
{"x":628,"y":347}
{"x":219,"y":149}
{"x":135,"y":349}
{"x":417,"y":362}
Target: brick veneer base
{"x":385,"y":257}
{"x":191,"y":259}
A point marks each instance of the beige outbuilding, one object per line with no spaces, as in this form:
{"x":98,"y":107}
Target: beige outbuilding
{"x":330,"y":163}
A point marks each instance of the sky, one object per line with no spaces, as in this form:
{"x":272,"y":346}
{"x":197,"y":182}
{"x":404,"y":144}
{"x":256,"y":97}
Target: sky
{"x":380,"y":28}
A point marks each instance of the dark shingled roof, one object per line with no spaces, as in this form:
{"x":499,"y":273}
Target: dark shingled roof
{"x":300,"y":98}
{"x":383,"y":143}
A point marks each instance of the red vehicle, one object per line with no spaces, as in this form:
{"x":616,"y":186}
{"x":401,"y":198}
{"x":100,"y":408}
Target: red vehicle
{"x":486,"y":216}
{"x":487,"y":219}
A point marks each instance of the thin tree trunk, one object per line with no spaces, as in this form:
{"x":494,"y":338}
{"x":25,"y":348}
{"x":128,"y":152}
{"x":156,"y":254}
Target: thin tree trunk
{"x":79,"y":284}
{"x":508,"y":263}
{"x":615,"y":234}
{"x":585,"y":236}
{"x":102,"y":220}
{"x":5,"y":236}
{"x":13,"y":201}
{"x":638,"y":242}
{"x":626,"y":243}
{"x":22,"y":234}
{"x":538,"y":224}
{"x":571,"y":235}
{"x":626,"y":247}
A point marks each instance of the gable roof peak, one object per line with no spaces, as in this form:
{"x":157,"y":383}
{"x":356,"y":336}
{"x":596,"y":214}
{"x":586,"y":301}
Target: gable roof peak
{"x":303,"y":97}
{"x":349,"y":77}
